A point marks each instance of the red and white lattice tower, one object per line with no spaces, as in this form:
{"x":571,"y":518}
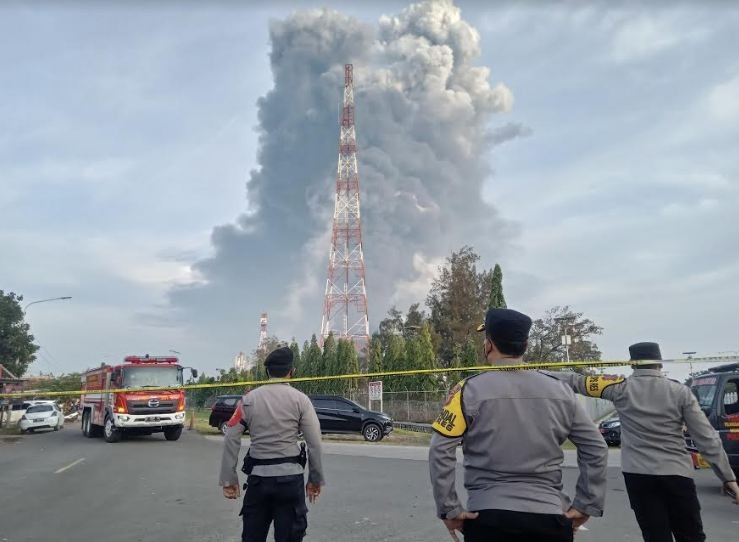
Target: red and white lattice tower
{"x":345,"y":304}
{"x":262,"y":332}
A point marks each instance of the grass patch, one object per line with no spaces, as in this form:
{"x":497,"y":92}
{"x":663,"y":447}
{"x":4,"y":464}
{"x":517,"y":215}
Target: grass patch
{"x":399,"y":437}
{"x":200,"y":422}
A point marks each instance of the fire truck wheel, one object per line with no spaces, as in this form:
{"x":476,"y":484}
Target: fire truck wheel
{"x":110,"y":432}
{"x":173,"y":433}
{"x":87,"y":424}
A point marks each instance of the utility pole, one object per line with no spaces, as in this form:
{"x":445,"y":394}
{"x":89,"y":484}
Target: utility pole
{"x":565,"y":337}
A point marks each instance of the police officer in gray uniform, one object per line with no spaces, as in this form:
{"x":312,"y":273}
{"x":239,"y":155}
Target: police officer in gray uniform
{"x":512,"y":426}
{"x":657,"y":468}
{"x":275,"y":415}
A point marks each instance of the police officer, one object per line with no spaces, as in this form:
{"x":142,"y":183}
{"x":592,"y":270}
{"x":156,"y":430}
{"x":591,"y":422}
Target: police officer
{"x":512,"y":425}
{"x":275,"y":415}
{"x":657,"y":468}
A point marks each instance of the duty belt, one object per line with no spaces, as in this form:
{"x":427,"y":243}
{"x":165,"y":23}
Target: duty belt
{"x":251,"y":462}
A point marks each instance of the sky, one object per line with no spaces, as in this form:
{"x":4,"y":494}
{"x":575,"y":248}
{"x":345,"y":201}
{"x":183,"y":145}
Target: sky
{"x":169,"y":165}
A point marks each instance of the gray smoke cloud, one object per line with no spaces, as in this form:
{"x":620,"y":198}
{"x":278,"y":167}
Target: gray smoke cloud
{"x":423,"y":115}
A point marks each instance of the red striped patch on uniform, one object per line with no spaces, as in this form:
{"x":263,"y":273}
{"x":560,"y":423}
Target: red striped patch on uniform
{"x":236,"y":418}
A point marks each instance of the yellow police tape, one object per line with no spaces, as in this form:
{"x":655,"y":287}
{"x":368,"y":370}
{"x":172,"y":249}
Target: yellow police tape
{"x":381,"y":374}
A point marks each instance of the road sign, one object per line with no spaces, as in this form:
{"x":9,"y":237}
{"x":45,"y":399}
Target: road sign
{"x":375,"y":391}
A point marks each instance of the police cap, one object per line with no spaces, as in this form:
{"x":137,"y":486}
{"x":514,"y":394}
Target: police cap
{"x":506,"y":326}
{"x":644,"y":352}
{"x":282,"y":358}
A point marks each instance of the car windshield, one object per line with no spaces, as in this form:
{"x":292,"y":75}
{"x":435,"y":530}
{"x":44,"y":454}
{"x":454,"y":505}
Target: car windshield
{"x":40,"y":408}
{"x":705,"y":394}
{"x":150,"y":377}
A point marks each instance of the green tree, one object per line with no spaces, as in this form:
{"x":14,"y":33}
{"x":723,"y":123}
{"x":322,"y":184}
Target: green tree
{"x":17,"y":349}
{"x":457,"y":301}
{"x":411,"y":361}
{"x":545,"y":338}
{"x":65,"y":382}
{"x":347,"y":362}
{"x":297,"y":362}
{"x":311,"y":364}
{"x":375,"y":358}
{"x":496,"y":300}
{"x":426,"y":360}
{"x":394,"y":360}
{"x":327,"y":364}
{"x":471,"y":353}
{"x":414,"y":320}
{"x":391,"y":325}
{"x":341,"y":362}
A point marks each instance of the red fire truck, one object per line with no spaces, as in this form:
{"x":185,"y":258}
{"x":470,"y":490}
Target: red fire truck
{"x":113,"y":414}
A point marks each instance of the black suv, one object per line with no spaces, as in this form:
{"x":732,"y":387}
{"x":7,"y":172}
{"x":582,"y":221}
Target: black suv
{"x":717,"y":391}
{"x":222,"y":410}
{"x":611,"y":431}
{"x":340,"y":415}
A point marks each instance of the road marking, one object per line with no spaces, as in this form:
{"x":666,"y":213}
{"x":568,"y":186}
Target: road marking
{"x":72,"y":464}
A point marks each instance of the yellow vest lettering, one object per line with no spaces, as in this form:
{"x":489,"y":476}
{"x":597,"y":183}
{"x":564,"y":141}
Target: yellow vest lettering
{"x":451,"y":422}
{"x":594,"y":385}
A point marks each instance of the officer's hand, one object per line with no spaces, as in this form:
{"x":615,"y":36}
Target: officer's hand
{"x":732,"y":487}
{"x":312,"y":491}
{"x":232,"y":492}
{"x":577,"y":517}
{"x":457,"y":523}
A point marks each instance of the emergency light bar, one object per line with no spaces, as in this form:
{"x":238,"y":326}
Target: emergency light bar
{"x":148,"y":359}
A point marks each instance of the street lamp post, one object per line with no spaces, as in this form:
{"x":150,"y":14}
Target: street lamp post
{"x":46,"y":301}
{"x":63,"y":298}
{"x":690,"y":356}
{"x":566,"y":338}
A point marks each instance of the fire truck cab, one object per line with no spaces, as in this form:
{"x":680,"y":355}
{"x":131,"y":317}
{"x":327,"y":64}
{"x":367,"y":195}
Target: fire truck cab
{"x":112,"y":414}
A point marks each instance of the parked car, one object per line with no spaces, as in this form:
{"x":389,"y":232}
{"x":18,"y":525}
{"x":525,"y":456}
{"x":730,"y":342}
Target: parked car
{"x":17,"y":410}
{"x":43,"y":416}
{"x":222,"y":410}
{"x":611,"y":431}
{"x":339,"y":415}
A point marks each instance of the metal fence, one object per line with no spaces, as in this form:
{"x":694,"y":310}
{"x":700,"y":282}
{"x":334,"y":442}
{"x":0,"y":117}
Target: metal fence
{"x":406,"y":405}
{"x":424,"y":406}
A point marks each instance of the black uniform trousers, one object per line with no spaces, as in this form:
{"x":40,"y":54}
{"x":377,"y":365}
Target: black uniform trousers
{"x":665,"y":506}
{"x":278,"y":499}
{"x":510,"y":526}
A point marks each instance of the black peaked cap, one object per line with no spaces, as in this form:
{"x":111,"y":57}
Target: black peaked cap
{"x":645,"y":352}
{"x":506,"y":325}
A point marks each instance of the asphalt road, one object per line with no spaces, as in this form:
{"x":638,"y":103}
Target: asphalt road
{"x":63,"y":487}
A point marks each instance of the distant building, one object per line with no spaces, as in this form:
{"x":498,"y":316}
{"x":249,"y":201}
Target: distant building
{"x":242,"y":362}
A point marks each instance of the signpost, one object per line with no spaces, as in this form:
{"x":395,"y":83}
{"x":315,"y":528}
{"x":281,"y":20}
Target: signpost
{"x":375,"y":393}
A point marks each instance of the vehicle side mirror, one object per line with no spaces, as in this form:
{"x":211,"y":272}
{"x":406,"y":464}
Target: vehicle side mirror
{"x":356,"y":410}
{"x":194,"y":373}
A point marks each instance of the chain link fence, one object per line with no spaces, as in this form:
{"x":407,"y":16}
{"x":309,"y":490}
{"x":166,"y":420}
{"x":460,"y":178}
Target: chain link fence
{"x":406,"y":405}
{"x":415,"y":406}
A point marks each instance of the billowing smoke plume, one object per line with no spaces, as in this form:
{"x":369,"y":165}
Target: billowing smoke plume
{"x":423,"y":119}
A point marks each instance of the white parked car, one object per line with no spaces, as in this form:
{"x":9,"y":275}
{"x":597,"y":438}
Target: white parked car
{"x":43,"y":416}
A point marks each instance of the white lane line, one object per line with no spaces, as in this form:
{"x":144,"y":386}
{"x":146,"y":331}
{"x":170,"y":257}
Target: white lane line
{"x":72,"y":464}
